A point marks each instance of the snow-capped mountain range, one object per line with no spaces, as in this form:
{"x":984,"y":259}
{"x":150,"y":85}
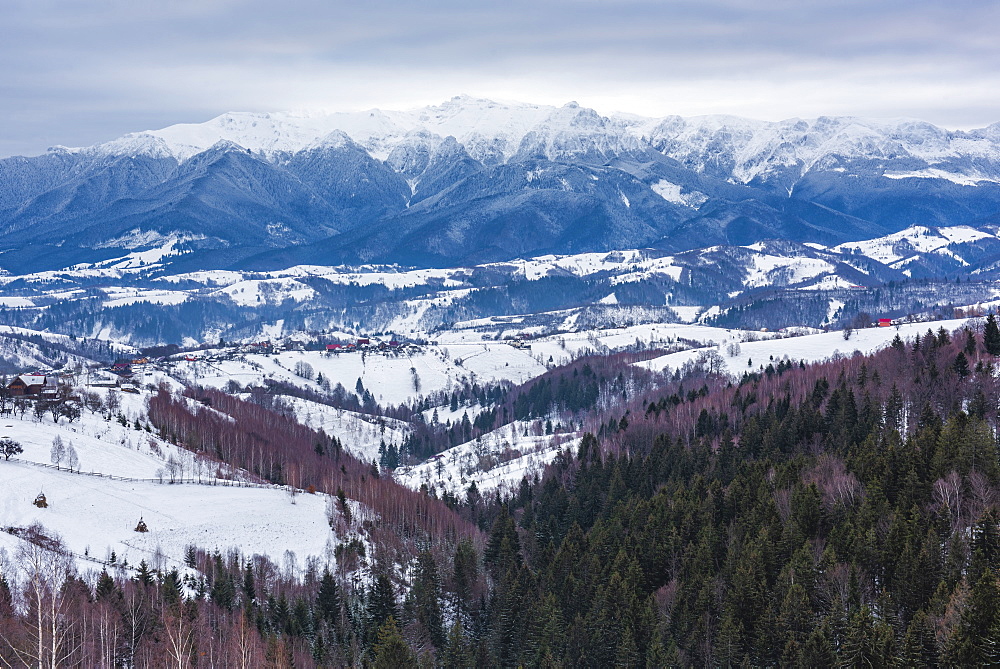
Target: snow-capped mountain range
{"x":472,"y":181}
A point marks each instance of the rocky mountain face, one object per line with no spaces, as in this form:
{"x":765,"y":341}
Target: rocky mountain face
{"x":473,"y":181}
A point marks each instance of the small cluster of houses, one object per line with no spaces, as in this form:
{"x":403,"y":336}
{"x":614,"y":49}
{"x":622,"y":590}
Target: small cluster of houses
{"x":522,"y":341}
{"x":367,"y":344}
{"x":361,"y":344}
{"x":120,"y":375}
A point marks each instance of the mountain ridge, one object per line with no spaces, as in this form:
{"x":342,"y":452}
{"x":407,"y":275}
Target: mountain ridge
{"x":473,"y":180}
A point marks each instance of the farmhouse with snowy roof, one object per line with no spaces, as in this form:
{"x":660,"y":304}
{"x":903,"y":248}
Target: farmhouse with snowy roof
{"x":31,"y":385}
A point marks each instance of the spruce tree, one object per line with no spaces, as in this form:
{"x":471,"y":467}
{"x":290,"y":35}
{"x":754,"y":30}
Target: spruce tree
{"x":968,"y":645}
{"x":106,"y":589}
{"x":817,"y":651}
{"x":381,"y":603}
{"x":962,"y":365}
{"x":144,"y":575}
{"x":249,"y":583}
{"x":466,"y":571}
{"x":426,"y":598}
{"x":860,"y":646}
{"x":970,"y":343}
{"x":457,"y":653}
{"x":391,"y":651}
{"x":919,"y":646}
{"x":328,"y":598}
{"x":991,"y":336}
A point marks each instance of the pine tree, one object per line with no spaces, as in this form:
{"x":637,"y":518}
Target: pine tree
{"x":391,"y":651}
{"x":381,"y":603}
{"x":970,"y":343}
{"x":144,"y":575}
{"x":919,"y":647}
{"x":817,"y":651}
{"x":106,"y":588}
{"x":547,"y":633}
{"x":171,"y":589}
{"x":328,"y":598}
{"x":991,"y":336}
{"x":457,"y":653}
{"x":628,"y":652}
{"x":426,"y":596}
{"x":249,"y":583}
{"x":466,"y":571}
{"x":223,"y":591}
{"x":961,"y":365}
{"x":968,"y":645}
{"x":503,"y":551}
{"x":860,"y":646}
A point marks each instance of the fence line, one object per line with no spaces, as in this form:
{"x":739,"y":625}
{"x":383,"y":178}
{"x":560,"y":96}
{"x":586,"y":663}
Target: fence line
{"x":166,"y":480}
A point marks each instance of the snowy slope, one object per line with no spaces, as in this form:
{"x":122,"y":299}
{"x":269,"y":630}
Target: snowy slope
{"x":486,"y":127}
{"x":915,"y":240}
{"x":123,"y":475}
{"x":98,"y":515}
{"x":807,"y":348}
{"x":391,"y":379}
{"x":496,"y":461}
{"x":360,"y":434}
{"x":749,"y":149}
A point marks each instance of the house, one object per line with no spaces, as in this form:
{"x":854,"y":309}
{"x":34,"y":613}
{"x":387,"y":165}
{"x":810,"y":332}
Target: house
{"x":101,"y":379}
{"x":364,"y":341}
{"x":29,"y":385}
{"x":884,"y":322}
{"x":122,"y":368}
{"x":333,"y":347}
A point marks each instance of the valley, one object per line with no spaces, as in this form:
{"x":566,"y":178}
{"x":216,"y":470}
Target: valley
{"x":503,"y":384}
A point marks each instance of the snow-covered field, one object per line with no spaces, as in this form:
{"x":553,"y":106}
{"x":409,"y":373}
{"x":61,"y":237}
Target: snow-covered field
{"x":808,"y":348}
{"x":562,"y":348}
{"x":96,"y":514}
{"x":391,"y":379}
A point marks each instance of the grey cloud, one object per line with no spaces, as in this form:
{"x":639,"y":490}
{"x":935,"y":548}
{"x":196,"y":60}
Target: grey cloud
{"x":74,"y":73}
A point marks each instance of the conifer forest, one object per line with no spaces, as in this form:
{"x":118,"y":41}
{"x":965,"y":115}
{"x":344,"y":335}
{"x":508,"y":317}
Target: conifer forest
{"x":842,"y":513}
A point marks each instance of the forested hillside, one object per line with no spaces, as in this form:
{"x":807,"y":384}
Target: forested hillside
{"x":836,"y":514}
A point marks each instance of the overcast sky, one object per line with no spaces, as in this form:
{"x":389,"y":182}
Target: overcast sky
{"x":76,"y":72}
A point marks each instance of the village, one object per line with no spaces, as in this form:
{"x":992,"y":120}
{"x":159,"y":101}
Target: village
{"x":134,"y":373}
{"x":131,"y":374}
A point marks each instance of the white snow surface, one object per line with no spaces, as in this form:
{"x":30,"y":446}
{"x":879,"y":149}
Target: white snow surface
{"x":671,"y":192}
{"x":494,"y":132}
{"x":497,"y":460}
{"x":95,"y":514}
{"x":360,"y":434}
{"x":807,"y":348}
{"x":387,"y":377}
{"x":917,"y":239}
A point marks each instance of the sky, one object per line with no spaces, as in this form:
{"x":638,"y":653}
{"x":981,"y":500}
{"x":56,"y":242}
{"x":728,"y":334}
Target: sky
{"x":78,"y":72}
